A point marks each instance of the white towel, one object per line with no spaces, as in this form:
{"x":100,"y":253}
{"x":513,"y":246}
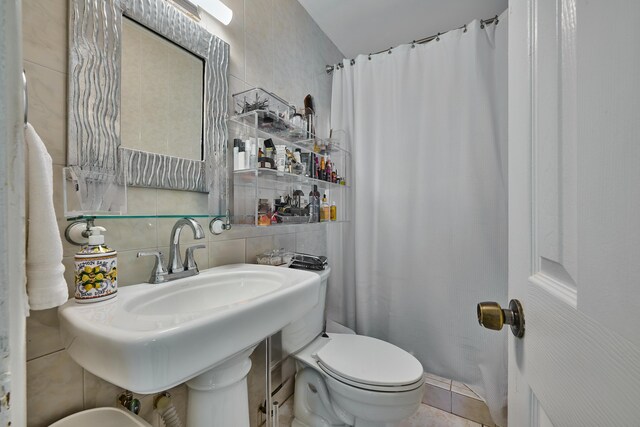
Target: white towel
{"x":46,"y":285}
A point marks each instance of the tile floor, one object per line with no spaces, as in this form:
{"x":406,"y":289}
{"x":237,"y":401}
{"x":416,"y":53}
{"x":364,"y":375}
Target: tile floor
{"x":446,"y":403}
{"x":427,"y":416}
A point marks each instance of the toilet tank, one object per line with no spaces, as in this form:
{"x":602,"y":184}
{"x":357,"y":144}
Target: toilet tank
{"x":301,"y":332}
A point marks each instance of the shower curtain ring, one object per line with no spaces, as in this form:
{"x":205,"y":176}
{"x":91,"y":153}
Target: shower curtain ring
{"x":413,"y":44}
{"x":353,"y":62}
{"x":390,"y":49}
{"x":496,"y":20}
{"x":438,"y":37}
{"x":482,"y":24}
{"x":465,"y":28}
{"x":369,"y":57}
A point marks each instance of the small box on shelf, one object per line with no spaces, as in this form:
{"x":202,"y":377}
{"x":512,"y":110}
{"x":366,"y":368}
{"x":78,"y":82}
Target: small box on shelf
{"x":270,"y":112}
{"x":93,"y":192}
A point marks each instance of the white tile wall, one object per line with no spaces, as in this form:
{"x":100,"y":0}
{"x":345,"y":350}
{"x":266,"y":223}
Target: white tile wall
{"x":275,"y":44}
{"x":54,"y":388}
{"x":48,"y":106}
{"x":226,"y":252}
{"x":43,"y":335}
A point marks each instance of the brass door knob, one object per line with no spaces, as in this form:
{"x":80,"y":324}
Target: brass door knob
{"x":492,"y":316}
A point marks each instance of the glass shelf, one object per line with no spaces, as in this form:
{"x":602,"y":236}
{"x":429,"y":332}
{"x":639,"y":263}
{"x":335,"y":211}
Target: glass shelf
{"x":141,"y":216}
{"x":328,"y":146}
{"x":272,"y":175}
{"x":302,"y":224}
{"x":287,"y":133}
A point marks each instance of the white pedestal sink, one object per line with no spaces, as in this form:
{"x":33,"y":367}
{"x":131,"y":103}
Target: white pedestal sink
{"x":200,"y":330}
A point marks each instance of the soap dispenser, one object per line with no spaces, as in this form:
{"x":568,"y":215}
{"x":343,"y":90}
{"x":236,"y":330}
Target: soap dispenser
{"x":96,"y":269}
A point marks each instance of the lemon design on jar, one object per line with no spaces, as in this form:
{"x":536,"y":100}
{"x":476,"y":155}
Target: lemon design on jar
{"x":92,"y":278}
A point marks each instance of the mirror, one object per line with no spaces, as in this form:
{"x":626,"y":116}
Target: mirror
{"x":162,"y":94}
{"x":137,"y":118}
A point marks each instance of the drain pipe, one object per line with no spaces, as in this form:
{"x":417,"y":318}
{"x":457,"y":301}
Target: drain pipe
{"x":275,"y":414}
{"x":269,"y":408}
{"x":167,"y":411}
{"x":128,"y":402}
{"x":268,"y":404}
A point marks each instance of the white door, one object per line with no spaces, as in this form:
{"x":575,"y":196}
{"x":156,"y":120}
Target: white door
{"x":574,"y":211}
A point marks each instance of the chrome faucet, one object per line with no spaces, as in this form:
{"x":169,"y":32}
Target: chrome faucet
{"x":175,"y":261}
{"x":176,"y":269}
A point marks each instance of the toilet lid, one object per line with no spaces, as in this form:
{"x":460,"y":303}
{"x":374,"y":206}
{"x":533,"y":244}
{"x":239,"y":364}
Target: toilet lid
{"x":369,"y":361}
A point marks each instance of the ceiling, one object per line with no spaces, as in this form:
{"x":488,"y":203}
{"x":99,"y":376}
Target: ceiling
{"x":364,"y":26}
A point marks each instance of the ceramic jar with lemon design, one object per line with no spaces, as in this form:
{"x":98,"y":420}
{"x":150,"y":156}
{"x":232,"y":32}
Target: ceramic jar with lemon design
{"x":96,"y":270}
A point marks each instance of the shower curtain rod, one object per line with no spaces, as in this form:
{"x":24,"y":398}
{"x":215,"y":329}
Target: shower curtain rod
{"x":330,"y":68}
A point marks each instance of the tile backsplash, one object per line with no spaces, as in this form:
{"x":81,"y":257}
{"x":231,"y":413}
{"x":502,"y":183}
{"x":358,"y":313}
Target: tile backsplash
{"x":274,"y":44}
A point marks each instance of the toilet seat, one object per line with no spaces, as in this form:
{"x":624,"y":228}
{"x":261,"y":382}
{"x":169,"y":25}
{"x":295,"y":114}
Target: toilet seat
{"x":369,"y":363}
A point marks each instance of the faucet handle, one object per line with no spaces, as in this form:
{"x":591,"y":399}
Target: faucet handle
{"x":190,"y":263}
{"x":159,"y":272}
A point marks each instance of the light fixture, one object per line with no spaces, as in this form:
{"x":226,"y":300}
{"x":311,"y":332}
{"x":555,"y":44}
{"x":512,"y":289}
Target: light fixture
{"x":217,"y":9}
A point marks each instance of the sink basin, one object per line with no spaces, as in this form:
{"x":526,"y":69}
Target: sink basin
{"x":153,"y":337}
{"x":202,"y":294}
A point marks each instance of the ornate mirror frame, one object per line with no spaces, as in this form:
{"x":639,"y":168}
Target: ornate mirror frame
{"x":94,"y":98}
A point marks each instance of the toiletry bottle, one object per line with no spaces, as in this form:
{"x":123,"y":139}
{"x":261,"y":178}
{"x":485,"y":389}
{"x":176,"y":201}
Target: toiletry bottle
{"x":264,"y":212}
{"x":334,"y":211}
{"x":269,"y":148}
{"x":281,"y":158}
{"x":251,"y":160}
{"x":241,"y":155}
{"x":298,"y":195}
{"x":327,"y":174}
{"x":323,"y":165}
{"x":314,"y":205}
{"x":96,"y":269}
{"x":312,"y":211}
{"x":312,"y":165}
{"x":317,"y":202}
{"x":236,"y":151}
{"x":324,"y":209}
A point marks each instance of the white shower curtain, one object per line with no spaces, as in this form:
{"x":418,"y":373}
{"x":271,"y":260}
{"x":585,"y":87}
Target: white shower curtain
{"x":428,"y":130}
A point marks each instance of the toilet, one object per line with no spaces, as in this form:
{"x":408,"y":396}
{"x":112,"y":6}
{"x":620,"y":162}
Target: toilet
{"x":346,"y":379}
